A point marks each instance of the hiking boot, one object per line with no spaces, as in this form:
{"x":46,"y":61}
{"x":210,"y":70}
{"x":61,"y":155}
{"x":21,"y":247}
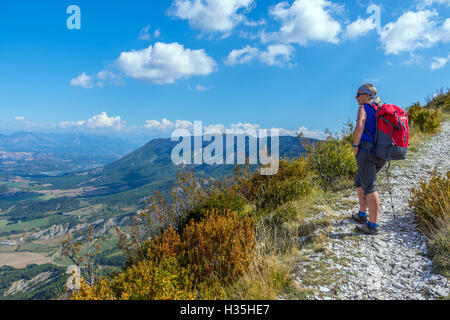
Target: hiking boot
{"x":365,"y":229}
{"x":358,"y":218}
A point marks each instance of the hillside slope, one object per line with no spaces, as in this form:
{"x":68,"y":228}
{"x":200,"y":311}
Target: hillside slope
{"x":151,"y":168}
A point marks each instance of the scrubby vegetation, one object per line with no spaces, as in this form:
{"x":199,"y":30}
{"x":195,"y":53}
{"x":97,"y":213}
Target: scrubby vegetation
{"x":431,"y":205}
{"x":266,"y":193}
{"x":193,"y":265}
{"x":238,"y":238}
{"x":439,"y":100}
{"x":428,"y":118}
{"x":221,"y":239}
{"x":332,"y":160}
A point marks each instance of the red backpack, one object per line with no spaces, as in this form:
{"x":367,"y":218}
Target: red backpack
{"x":392,"y":134}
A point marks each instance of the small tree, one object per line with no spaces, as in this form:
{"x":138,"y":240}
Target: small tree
{"x":82,"y":252}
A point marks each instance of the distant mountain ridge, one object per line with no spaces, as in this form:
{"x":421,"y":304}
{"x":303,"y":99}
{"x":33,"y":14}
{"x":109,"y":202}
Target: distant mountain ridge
{"x":151,"y":168}
{"x":60,"y":143}
{"x":34,"y":153}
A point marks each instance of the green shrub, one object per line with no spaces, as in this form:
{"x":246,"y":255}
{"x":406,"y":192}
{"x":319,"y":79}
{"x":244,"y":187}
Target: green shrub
{"x":427,"y":120}
{"x":148,"y":280}
{"x":439,"y":249}
{"x":282,"y":214}
{"x":332,"y":160}
{"x":439,"y":100}
{"x":220,"y":199}
{"x":430,"y":202}
{"x":413,"y":111}
{"x":196,"y":264}
{"x":190,"y":199}
{"x":291,"y":182}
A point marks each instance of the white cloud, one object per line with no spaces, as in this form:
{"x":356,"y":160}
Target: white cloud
{"x":274,"y":55}
{"x":243,"y":55}
{"x":103,"y":121}
{"x":144,"y":34}
{"x":165,"y":126}
{"x":414,"y":30}
{"x":99,"y":121}
{"x":19,"y":118}
{"x":99,"y":80}
{"x":83,"y":80}
{"x":165,"y":63}
{"x":255,"y":23}
{"x":277,"y":55}
{"x":445,"y":31}
{"x":202,"y":88}
{"x":105,"y":124}
{"x":304,"y":21}
{"x":248,"y":35}
{"x":439,"y":63}
{"x":321,"y":135}
{"x":68,"y":124}
{"x":211,"y":15}
{"x":244,"y":126}
{"x":214,"y":129}
{"x":359,"y":28}
{"x":414,"y":59}
{"x":427,"y":3}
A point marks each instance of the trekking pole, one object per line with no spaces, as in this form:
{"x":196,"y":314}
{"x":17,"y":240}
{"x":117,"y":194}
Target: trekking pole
{"x":389,"y":187}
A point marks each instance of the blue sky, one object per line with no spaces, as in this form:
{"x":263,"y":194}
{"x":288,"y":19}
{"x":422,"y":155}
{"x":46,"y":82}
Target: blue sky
{"x":147,"y":67}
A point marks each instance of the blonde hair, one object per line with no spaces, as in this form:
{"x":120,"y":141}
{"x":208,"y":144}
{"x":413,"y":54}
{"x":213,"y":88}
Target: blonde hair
{"x":374,"y":90}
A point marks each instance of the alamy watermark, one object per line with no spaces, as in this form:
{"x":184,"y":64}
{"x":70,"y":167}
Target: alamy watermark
{"x":376,"y":16}
{"x":191,"y":151}
{"x":74,"y":20}
{"x":73,"y":282}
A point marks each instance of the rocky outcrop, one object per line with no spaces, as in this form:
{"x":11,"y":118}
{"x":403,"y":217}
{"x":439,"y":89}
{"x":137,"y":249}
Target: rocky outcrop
{"x":27,"y":285}
{"x":100,"y":228}
{"x":52,"y":232}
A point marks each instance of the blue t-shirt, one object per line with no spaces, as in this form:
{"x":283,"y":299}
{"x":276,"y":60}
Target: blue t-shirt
{"x":371,"y":124}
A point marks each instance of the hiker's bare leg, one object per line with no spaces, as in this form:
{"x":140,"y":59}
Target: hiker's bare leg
{"x":373,"y":201}
{"x":362,"y":200}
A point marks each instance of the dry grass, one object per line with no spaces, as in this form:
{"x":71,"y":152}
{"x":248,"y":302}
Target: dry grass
{"x":278,"y":250}
{"x":319,"y":242}
{"x":431,"y":205}
{"x":266,"y":278}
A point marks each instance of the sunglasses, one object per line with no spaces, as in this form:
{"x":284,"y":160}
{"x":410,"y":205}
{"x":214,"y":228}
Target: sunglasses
{"x":360,"y":94}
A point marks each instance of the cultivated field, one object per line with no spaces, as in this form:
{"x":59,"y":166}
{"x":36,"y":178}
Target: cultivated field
{"x":22,"y":259}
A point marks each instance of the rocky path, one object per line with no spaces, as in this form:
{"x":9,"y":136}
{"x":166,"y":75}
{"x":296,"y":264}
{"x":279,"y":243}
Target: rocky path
{"x":392,"y":265}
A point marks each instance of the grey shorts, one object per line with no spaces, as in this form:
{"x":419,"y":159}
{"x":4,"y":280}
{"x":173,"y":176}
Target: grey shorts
{"x":368,"y":166}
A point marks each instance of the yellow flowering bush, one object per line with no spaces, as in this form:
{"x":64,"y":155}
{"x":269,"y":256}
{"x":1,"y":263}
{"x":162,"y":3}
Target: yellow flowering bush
{"x":192,"y":265}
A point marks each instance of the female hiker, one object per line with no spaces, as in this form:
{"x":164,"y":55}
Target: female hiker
{"x":368,"y":163}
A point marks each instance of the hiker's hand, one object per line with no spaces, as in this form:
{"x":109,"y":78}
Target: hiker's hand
{"x":356,"y":151}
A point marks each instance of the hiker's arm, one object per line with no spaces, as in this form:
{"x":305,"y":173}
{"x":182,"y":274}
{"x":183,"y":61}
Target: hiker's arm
{"x":360,"y":125}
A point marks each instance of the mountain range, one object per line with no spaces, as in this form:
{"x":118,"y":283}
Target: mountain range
{"x":149,"y":168}
{"x":34,"y":153}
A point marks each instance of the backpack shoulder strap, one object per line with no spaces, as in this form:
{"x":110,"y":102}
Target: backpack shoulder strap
{"x":376,"y":107}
